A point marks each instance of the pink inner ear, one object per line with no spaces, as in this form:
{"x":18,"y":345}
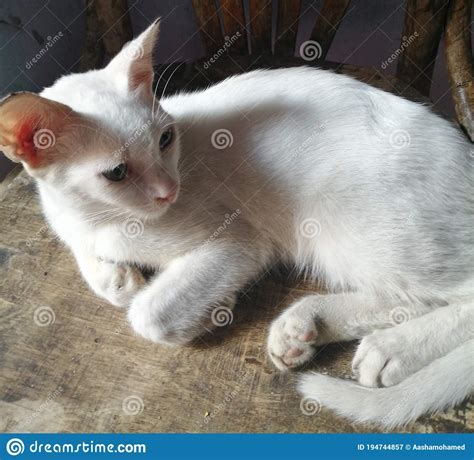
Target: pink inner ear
{"x":142,"y":77}
{"x":25,"y":135}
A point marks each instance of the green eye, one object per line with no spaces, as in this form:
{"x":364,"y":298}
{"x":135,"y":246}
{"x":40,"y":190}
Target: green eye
{"x":117,"y":174}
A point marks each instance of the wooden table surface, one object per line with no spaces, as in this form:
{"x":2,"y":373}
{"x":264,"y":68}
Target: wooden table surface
{"x":70,"y":362}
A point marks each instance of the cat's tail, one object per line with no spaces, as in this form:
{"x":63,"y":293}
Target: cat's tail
{"x":442,"y":384}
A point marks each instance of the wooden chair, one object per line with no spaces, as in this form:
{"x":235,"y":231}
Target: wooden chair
{"x":239,"y":39}
{"x":254,"y":47}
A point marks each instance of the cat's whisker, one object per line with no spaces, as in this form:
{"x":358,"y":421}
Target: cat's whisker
{"x":169,"y":79}
{"x":156,"y":88}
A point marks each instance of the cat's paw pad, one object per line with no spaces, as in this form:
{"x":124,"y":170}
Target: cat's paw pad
{"x":379,"y":360}
{"x":118,"y":283}
{"x":291,"y":340}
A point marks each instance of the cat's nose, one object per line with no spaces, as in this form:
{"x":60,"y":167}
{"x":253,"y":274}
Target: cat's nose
{"x":165,"y":190}
{"x":169,"y":198}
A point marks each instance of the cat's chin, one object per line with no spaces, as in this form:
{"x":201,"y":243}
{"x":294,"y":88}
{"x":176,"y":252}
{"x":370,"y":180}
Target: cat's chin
{"x":152,"y":215}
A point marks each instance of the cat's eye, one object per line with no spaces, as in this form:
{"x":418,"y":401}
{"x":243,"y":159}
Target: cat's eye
{"x":117,"y":174}
{"x":166,"y":138}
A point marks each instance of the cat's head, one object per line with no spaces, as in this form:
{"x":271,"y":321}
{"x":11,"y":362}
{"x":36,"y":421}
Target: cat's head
{"x":99,"y":137}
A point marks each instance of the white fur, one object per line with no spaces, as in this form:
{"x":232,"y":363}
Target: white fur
{"x":319,"y":177}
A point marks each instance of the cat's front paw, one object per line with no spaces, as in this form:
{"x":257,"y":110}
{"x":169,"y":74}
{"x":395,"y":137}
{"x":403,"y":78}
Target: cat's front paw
{"x":170,"y":324}
{"x":291,"y":339}
{"x":383,"y":358}
{"x":117,"y":283}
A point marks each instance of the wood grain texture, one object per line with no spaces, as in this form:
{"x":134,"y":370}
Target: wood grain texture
{"x":329,"y":18}
{"x":424,"y":22}
{"x":458,"y":51}
{"x":108,"y":28}
{"x":233,"y":18}
{"x":260,"y":12}
{"x":209,"y":24}
{"x":287,"y":26}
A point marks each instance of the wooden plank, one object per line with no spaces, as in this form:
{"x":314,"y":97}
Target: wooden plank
{"x":108,"y":28}
{"x":424,"y":22}
{"x":329,"y":18}
{"x":287,"y":26}
{"x":460,"y":62}
{"x":209,"y":24}
{"x":233,"y":18}
{"x":260,"y":26}
{"x":81,"y":368}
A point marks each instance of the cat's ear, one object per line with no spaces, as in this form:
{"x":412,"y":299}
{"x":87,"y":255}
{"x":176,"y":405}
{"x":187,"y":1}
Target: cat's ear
{"x":30,"y":126}
{"x":134,"y":64}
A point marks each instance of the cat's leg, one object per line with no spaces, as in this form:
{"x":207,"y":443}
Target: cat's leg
{"x":386,"y":357}
{"x":319,"y":319}
{"x":117,"y":283}
{"x":194,"y":292}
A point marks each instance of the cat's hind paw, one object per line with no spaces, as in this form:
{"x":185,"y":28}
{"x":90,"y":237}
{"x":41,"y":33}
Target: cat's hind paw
{"x":381,"y":360}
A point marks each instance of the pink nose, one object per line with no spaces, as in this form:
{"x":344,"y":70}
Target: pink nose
{"x":169,"y":198}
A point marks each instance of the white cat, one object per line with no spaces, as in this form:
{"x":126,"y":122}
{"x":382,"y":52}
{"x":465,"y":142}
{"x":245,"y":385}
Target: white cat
{"x":368,"y":191}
